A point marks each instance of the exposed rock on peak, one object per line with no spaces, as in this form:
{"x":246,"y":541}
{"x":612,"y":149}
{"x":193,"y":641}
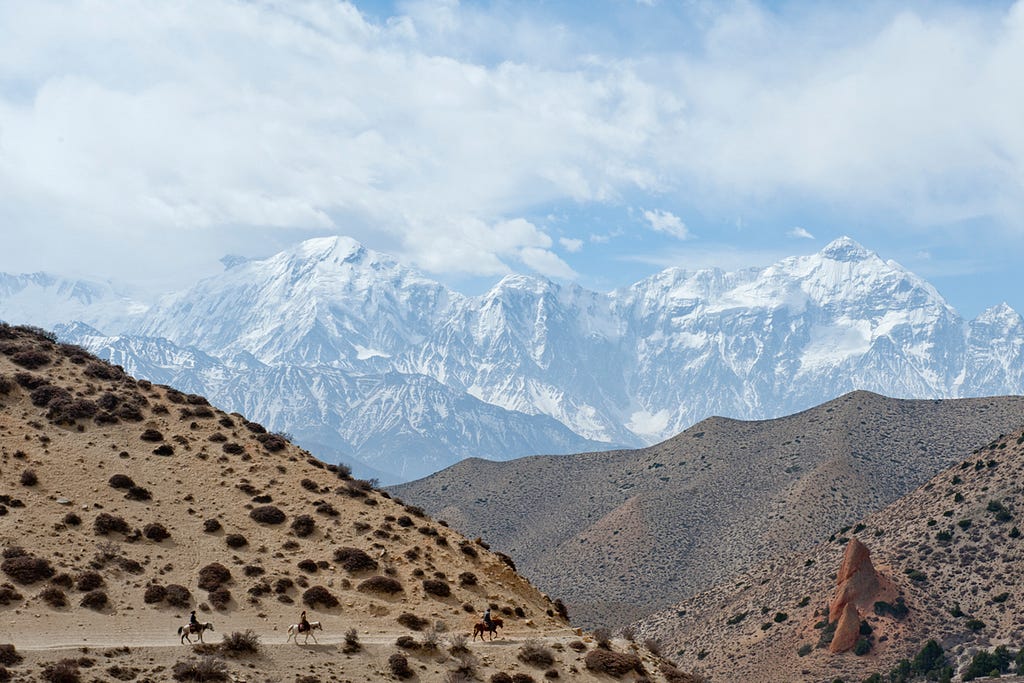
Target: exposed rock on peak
{"x":857,"y":582}
{"x":847,"y":630}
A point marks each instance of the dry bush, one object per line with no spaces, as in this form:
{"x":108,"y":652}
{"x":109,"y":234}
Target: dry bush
{"x":29,"y":478}
{"x":46,"y":394}
{"x":255,"y":427}
{"x":156,"y":532}
{"x":535,"y":653}
{"x":467,"y":579}
{"x":318,"y":595}
{"x":674,"y":675}
{"x":152,"y":435}
{"x":236,"y":541}
{"x":67,"y":412}
{"x":101,"y":370}
{"x":615,"y":664}
{"x":412,"y":622}
{"x":9,"y":656}
{"x":437,"y":587}
{"x":241,"y":643}
{"x":6,"y":385}
{"x":303,"y":526}
{"x":31,"y":359}
{"x":310,"y":485}
{"x":96,"y":600}
{"x":354,"y":560}
{"x":352,"y":644}
{"x":72,"y":519}
{"x":603,"y":638}
{"x":211,"y":525}
{"x":121,"y":481}
{"x":154,"y":593}
{"x":268,"y":514}
{"x":8,"y":594}
{"x":131,"y":412}
{"x":219,"y":598}
{"x":407,"y":643}
{"x":29,"y":381}
{"x":88,"y":581}
{"x":204,"y":669}
{"x":27,"y":569}
{"x":138,"y":493}
{"x":233,"y":448}
{"x":457,"y":643}
{"x":272,"y":442}
{"x":308,"y":565}
{"x":164,"y":449}
{"x":178,"y":595}
{"x":64,"y":671}
{"x":213,"y":575}
{"x":501,"y":677}
{"x":54,"y":597}
{"x":380,"y":584}
{"x":398,"y":664}
{"x":106,"y":523}
{"x":468,"y":549}
{"x":578,"y":646}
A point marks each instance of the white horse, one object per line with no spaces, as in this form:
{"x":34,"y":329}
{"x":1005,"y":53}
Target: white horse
{"x":183,"y":631}
{"x":293,"y":632}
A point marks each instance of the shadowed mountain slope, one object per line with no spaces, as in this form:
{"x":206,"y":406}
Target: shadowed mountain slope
{"x":621,"y":534}
{"x":124,"y":505}
{"x":952,"y":549}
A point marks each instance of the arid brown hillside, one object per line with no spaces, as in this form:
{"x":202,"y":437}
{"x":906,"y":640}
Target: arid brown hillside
{"x":125,"y":505}
{"x":953,"y":550}
{"x":621,"y":534}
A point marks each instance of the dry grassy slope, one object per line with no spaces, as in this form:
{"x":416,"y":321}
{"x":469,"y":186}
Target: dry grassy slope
{"x":621,"y":534}
{"x":208,"y":478}
{"x":979,"y":569}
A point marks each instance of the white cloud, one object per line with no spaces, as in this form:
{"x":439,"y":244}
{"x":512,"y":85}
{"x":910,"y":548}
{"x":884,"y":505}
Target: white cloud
{"x":667,"y":222}
{"x":800,"y":233}
{"x":439,"y":125}
{"x":571,"y":244}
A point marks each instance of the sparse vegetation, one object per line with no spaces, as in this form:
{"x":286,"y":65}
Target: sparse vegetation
{"x":63,"y":671}
{"x":354,"y":560}
{"x":615,"y":664}
{"x":27,"y":569}
{"x":412,"y":622}
{"x":203,"y":669}
{"x":318,"y":596}
{"x":380,"y":584}
{"x":268,"y":514}
{"x":437,"y":588}
{"x":398,"y":664}
{"x":106,"y":524}
{"x":535,"y":653}
{"x":213,"y":575}
{"x":241,"y":643}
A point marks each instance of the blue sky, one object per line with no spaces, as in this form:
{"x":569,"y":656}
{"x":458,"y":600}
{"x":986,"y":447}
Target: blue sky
{"x":590,"y":142}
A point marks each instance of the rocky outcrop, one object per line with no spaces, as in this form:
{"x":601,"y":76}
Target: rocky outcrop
{"x":858,"y":585}
{"x":857,"y":582}
{"x":847,"y":630}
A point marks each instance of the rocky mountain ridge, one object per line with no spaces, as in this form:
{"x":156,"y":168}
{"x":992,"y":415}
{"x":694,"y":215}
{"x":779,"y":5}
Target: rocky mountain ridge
{"x":330,"y":329}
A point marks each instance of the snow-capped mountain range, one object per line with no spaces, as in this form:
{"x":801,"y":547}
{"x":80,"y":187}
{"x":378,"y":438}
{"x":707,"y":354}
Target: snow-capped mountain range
{"x":360,"y":357}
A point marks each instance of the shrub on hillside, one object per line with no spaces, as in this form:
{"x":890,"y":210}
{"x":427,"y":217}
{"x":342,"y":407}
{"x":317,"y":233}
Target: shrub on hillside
{"x":213,"y":575}
{"x":354,"y":560}
{"x":164,"y":449}
{"x":236,"y":541}
{"x":27,"y":569}
{"x":156,"y":532}
{"x":240,"y":643}
{"x":31,"y":359}
{"x":64,"y":671}
{"x":154,"y":593}
{"x":47,"y":394}
{"x":437,"y":587}
{"x":204,"y":669}
{"x":272,"y":442}
{"x":268,"y":514}
{"x":67,"y":412}
{"x":535,"y":653}
{"x":615,"y":664}
{"x":8,"y":594}
{"x":308,"y":566}
{"x":303,"y":526}
{"x":501,"y":677}
{"x":412,"y":622}
{"x":219,"y":597}
{"x":106,"y":524}
{"x":29,"y":478}
{"x":96,"y":600}
{"x":138,"y":493}
{"x":398,"y":664}
{"x":352,"y":643}
{"x":319,"y":596}
{"x":467,"y":579}
{"x":211,"y":525}
{"x":88,"y":581}
{"x":152,"y":435}
{"x":54,"y":597}
{"x":380,"y":584}
{"x":178,"y":595}
{"x":121,"y":481}
{"x":9,"y":656}
{"x":101,"y":370}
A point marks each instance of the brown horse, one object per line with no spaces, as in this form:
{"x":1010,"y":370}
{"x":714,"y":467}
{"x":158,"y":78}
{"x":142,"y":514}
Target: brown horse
{"x":480,"y":628}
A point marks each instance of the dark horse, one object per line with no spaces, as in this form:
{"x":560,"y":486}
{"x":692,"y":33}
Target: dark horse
{"x":198,"y":629}
{"x":480,"y":628}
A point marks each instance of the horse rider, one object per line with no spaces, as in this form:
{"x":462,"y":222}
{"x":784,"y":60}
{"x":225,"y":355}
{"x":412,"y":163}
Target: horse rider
{"x":193,"y":623}
{"x":303,"y":622}
{"x":487,"y":619}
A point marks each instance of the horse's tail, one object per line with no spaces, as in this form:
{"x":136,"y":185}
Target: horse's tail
{"x":180,"y":629}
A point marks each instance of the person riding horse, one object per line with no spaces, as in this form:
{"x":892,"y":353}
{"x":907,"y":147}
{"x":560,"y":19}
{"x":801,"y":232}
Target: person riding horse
{"x":487,"y":619}
{"x":193,"y":623}
{"x":303,"y":622}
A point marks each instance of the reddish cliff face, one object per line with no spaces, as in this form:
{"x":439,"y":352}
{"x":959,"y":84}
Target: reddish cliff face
{"x":857,"y":582}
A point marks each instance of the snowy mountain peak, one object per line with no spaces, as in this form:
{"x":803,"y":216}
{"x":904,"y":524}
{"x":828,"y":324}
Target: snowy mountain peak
{"x":1001,"y":314}
{"x":846,"y":249}
{"x":337,"y":248}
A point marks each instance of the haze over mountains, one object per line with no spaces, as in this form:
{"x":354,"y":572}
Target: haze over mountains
{"x":362,"y":358}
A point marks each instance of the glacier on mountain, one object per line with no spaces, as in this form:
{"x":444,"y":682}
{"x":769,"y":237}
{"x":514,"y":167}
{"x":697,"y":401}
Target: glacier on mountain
{"x":362,"y":358}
